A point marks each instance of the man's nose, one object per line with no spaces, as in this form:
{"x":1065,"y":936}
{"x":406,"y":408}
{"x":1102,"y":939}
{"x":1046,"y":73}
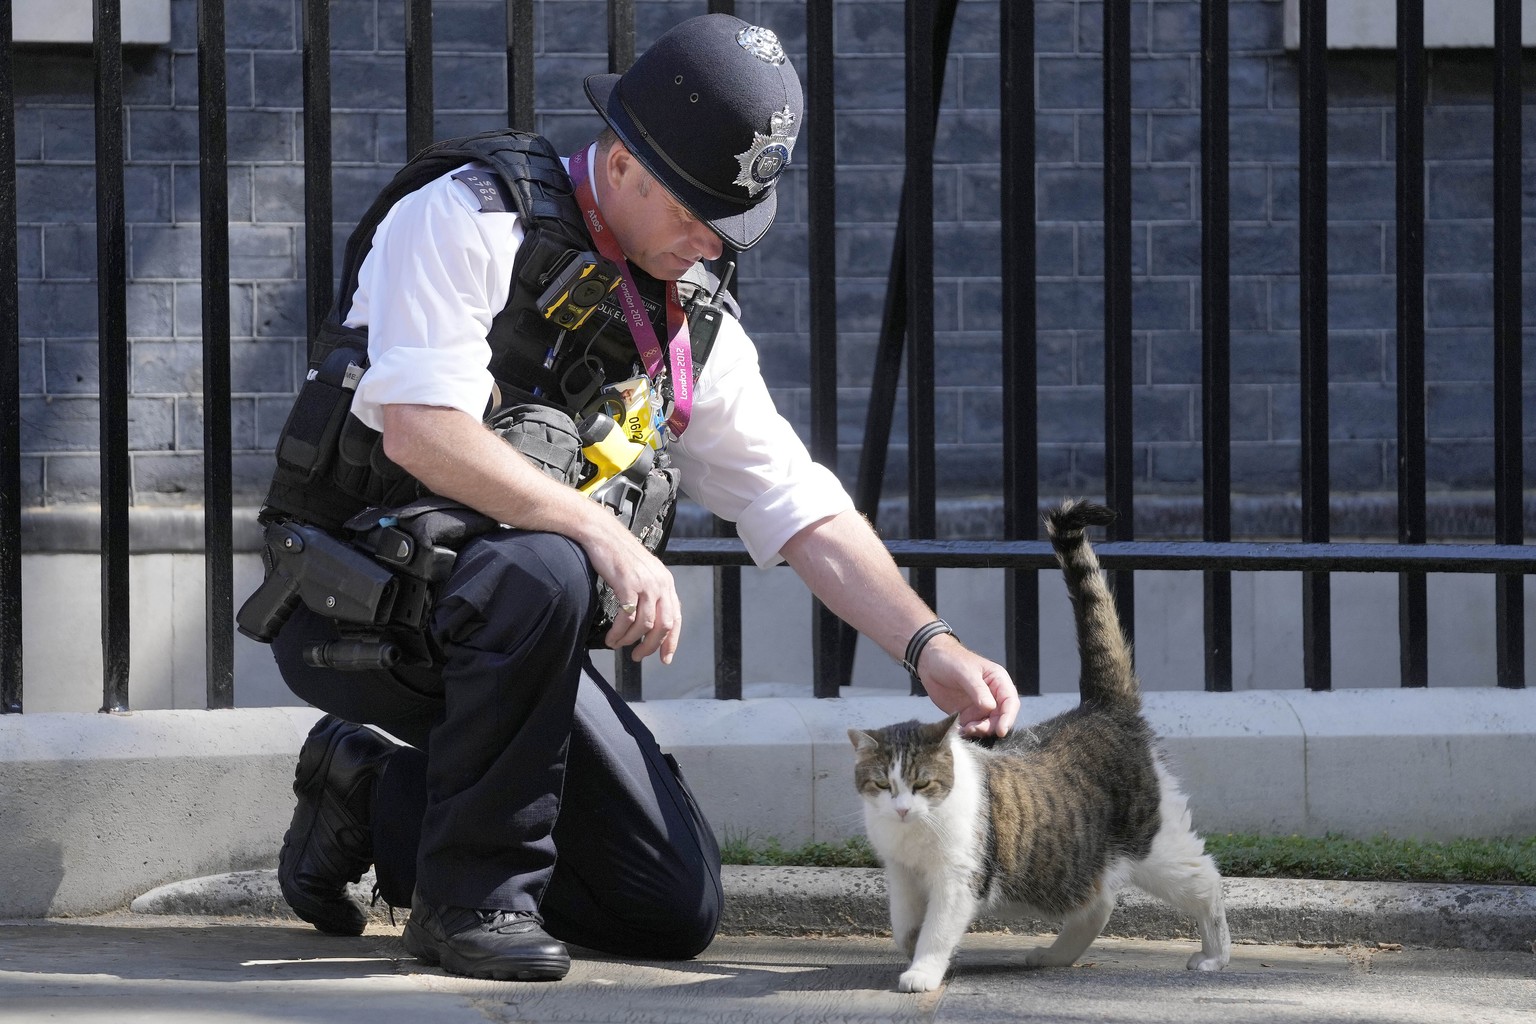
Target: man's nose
{"x":707,"y":242}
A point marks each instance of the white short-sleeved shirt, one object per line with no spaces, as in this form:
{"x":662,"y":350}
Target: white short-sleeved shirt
{"x":438,"y":273}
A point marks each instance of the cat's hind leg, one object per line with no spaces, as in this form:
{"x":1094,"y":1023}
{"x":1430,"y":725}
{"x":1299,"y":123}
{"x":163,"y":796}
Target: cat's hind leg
{"x":1078,"y":930}
{"x":1195,"y":889}
{"x":1179,"y":871}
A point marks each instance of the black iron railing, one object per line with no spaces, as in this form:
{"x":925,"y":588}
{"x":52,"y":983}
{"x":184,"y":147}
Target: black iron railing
{"x":907,"y":338}
{"x":10,"y":396}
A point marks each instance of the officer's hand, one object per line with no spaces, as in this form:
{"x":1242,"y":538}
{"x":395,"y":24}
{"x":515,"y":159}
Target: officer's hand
{"x":650,"y":613}
{"x":959,"y":681}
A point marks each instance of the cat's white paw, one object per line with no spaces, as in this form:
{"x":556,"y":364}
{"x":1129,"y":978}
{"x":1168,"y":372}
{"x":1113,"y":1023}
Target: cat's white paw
{"x":1042,"y":956}
{"x":1201,"y":962}
{"x":920,"y":979}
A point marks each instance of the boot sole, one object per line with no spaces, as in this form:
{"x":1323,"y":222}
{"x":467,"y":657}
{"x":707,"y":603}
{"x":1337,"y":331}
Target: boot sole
{"x":420,"y":944}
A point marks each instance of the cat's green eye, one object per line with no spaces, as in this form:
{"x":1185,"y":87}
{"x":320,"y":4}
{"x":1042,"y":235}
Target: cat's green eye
{"x":920,"y":784}
{"x":882,"y":784}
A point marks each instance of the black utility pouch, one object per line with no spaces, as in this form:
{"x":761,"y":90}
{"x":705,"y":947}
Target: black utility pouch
{"x":308,"y":441}
{"x":546,"y":435}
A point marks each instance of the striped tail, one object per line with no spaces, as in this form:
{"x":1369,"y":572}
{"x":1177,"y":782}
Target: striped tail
{"x":1107,"y":676}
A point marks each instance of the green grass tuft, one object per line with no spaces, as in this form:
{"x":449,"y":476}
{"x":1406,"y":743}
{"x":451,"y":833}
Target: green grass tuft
{"x":1383,"y":859}
{"x":850,"y":853}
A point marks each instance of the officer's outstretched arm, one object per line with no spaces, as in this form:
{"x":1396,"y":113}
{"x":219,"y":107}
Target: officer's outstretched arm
{"x":456,"y":456}
{"x":843,"y":562}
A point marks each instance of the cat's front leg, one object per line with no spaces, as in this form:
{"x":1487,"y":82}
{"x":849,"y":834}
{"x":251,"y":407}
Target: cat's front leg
{"x":950,"y":912}
{"x":909,"y":901}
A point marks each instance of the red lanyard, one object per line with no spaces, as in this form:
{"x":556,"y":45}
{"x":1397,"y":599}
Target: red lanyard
{"x":679,"y":351}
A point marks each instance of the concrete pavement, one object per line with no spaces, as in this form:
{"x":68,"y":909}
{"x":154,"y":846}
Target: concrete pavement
{"x":152,"y":969}
{"x":799,"y":945}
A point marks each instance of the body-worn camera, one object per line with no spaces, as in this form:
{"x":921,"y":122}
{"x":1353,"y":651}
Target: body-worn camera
{"x":577,"y":288}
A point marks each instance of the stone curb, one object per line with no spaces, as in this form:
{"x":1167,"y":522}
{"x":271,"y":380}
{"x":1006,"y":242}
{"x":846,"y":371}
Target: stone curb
{"x":851,"y":901}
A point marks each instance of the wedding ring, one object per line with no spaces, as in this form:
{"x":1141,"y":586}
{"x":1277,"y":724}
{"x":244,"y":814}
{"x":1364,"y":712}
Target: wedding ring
{"x":628,"y":609}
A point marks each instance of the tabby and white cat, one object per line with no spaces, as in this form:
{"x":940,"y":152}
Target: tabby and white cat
{"x":1049,"y":821}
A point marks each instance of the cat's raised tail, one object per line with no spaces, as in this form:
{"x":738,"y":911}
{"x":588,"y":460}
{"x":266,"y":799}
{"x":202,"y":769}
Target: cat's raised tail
{"x":1107,"y":676}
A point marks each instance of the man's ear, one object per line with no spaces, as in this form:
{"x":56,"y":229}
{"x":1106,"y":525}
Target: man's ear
{"x":620,"y":163}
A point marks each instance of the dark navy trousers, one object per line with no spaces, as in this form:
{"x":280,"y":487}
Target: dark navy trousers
{"x":527,"y":783}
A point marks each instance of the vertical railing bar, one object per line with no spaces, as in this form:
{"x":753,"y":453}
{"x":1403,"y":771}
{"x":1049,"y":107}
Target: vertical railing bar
{"x":1119,"y":452}
{"x":728,"y":620}
{"x":893,"y":333}
{"x":520,"y":84}
{"x":418,"y":76}
{"x":727,"y":578}
{"x":112,"y":329}
{"x":879,"y":414}
{"x":1508,"y":327}
{"x":213,"y":187}
{"x":318,"y":283}
{"x":621,"y":35}
{"x":1021,"y":482}
{"x":921,"y":103}
{"x":821,"y":182}
{"x":885,"y":379}
{"x":1412,"y":589}
{"x":621,"y":54}
{"x":893,"y":324}
{"x":727,"y":581}
{"x":1316,"y":628}
{"x":10,"y":397}
{"x":1215,"y":331}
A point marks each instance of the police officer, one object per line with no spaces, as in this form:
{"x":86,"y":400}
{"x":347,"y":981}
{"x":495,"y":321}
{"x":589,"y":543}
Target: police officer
{"x":527,"y":806}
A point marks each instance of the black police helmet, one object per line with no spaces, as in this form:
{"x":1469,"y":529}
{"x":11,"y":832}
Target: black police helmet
{"x":711,"y":110}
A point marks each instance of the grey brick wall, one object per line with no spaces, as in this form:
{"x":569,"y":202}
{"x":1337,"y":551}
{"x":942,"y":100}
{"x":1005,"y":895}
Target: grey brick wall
{"x":57,"y":240}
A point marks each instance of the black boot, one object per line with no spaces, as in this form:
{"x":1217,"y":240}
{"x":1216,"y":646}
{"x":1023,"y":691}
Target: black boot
{"x":504,"y":945}
{"x":330,"y":840}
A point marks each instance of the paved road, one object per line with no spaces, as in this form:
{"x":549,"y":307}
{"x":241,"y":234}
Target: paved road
{"x":148,"y":969}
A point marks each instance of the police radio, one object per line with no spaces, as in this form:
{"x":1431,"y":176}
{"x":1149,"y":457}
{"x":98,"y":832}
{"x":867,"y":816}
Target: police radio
{"x":704,"y":317}
{"x":577,"y":289}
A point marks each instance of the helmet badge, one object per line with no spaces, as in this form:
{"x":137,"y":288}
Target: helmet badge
{"x":761,"y":43}
{"x":768,"y":155}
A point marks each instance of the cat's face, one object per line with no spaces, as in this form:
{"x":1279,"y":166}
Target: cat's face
{"x":904,"y":771}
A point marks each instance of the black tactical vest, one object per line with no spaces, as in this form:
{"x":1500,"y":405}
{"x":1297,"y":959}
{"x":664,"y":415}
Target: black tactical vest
{"x":330,"y":465}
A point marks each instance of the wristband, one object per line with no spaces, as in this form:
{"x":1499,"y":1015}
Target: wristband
{"x":920,"y":640}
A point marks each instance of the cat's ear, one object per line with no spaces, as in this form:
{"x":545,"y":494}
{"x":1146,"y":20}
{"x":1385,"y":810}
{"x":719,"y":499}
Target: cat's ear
{"x":938,"y":730}
{"x":862,"y":741}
